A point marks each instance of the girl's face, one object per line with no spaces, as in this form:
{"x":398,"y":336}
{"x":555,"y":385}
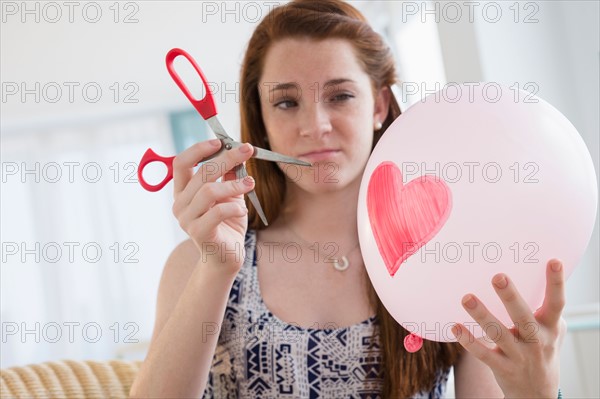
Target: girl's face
{"x":318,"y":105}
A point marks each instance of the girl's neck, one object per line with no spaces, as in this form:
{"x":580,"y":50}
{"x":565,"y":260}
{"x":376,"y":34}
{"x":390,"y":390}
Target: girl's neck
{"x":323,"y":217}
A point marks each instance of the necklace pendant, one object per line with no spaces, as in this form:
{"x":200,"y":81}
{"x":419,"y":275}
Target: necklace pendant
{"x":341,"y":266}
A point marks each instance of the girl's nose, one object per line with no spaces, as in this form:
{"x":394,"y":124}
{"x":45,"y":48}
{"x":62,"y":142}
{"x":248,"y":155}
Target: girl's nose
{"x":314,"y":121}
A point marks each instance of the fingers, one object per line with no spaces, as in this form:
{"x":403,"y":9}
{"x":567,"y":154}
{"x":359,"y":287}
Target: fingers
{"x":201,"y":227}
{"x":184,"y":163}
{"x":211,"y":193}
{"x":515,"y":305}
{"x":494,"y":330}
{"x":212,"y":170}
{"x":554,"y":300}
{"x":229,"y":175}
{"x":477,"y":348}
{"x":209,"y":171}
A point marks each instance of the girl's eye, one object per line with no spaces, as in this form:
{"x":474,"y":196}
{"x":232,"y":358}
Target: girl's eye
{"x":285,"y":104}
{"x":341,"y":97}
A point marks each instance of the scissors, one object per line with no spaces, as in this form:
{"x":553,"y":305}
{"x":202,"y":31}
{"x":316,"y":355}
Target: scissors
{"x":206,"y":107}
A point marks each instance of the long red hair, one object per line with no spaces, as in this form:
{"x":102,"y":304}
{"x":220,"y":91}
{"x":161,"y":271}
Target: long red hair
{"x":404,"y":373}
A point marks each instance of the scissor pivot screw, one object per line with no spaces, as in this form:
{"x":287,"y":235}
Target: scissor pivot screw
{"x":228,"y":146}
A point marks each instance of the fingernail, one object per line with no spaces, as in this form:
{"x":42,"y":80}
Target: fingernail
{"x":470,"y":302}
{"x":245,"y":148}
{"x":215,"y":142}
{"x":455,"y":330}
{"x":249,"y":181}
{"x":500,"y":281}
{"x":556,"y":266}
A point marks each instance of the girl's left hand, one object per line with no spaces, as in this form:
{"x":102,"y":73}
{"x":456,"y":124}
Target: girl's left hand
{"x":525,"y":358}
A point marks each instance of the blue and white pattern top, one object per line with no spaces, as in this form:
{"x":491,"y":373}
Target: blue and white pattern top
{"x":260,"y":356}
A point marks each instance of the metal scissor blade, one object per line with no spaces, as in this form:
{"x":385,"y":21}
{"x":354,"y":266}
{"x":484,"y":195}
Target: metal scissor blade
{"x":256,"y":203}
{"x":267,"y":155}
{"x":259,"y":153}
{"x":218,"y":129}
{"x":240,"y":173}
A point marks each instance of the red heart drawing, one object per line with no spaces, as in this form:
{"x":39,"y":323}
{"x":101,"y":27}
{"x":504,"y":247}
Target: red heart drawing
{"x":405,"y":217}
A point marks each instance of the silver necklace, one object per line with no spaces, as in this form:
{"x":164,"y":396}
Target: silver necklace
{"x":339,"y":264}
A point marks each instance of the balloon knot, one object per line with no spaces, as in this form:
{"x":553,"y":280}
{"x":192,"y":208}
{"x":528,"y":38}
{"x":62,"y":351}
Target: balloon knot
{"x":412,"y":343}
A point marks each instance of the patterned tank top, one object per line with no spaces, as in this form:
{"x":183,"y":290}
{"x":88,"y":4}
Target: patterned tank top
{"x":260,"y":356}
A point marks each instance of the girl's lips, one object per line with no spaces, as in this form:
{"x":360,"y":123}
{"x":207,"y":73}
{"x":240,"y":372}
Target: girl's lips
{"x":320,"y":155}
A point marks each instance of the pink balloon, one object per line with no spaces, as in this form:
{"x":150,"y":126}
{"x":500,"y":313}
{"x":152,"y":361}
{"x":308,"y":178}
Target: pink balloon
{"x":462,"y":187}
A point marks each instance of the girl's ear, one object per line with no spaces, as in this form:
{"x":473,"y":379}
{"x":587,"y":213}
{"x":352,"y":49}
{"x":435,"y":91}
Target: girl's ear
{"x":382,"y":104}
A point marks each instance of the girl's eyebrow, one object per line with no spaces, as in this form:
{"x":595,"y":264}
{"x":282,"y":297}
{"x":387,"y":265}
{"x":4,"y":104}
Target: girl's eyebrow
{"x":335,"y":82}
{"x":293,"y":85}
{"x":284,"y":86}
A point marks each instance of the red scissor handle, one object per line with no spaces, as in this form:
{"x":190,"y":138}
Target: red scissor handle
{"x":206,"y":106}
{"x":149,"y":157}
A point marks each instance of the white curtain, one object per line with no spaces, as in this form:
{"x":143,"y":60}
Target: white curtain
{"x":83,"y":245}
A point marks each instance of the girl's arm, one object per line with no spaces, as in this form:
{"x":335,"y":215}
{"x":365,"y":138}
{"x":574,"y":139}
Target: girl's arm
{"x":473,"y":379}
{"x":192,"y":298}
{"x":196,"y":281}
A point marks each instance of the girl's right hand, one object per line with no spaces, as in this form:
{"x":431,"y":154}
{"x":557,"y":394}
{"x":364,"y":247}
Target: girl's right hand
{"x":213,"y":213}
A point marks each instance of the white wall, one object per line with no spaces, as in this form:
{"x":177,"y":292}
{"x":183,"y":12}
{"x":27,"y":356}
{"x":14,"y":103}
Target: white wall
{"x":107,"y":52}
{"x":105,"y":132}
